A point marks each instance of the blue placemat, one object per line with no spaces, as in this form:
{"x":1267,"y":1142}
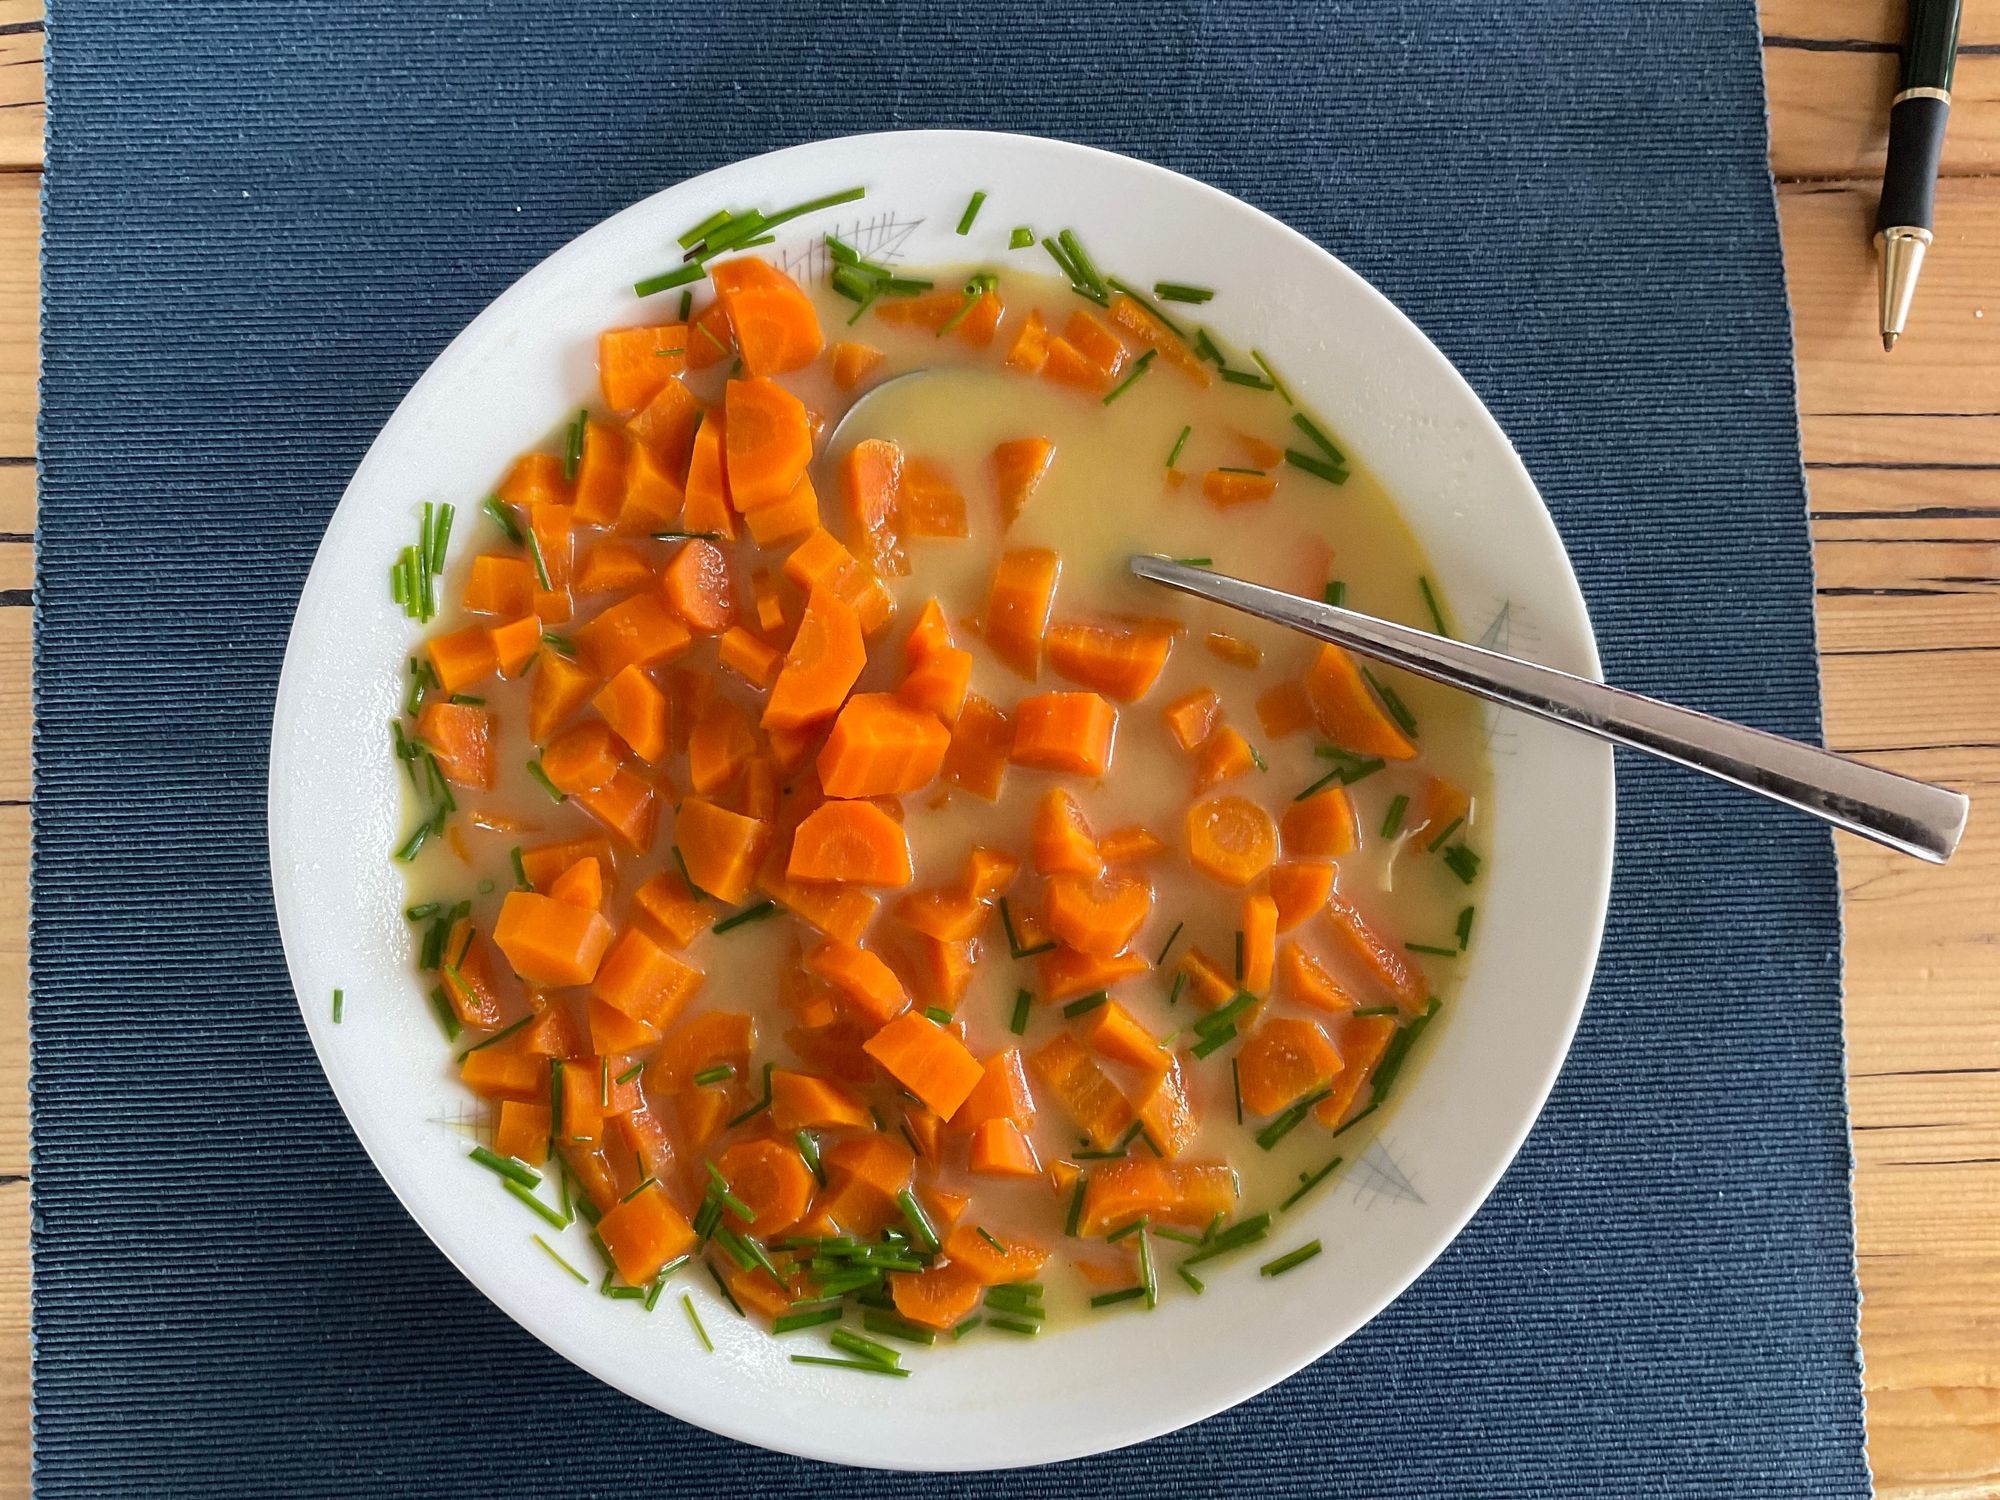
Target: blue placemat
{"x":264,"y":219}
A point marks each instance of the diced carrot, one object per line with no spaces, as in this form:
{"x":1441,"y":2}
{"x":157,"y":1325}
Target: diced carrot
{"x":1284,"y":710}
{"x":1223,"y":756}
{"x":1067,"y":974}
{"x":503,"y":586}
{"x":1098,"y":916}
{"x":773,"y":1182}
{"x":1321,"y":826}
{"x":1373,"y":951}
{"x":581,"y":884}
{"x":1192,"y":719}
{"x":460,"y":735}
{"x":759,"y":795}
{"x":1126,"y":846}
{"x":775,"y":326}
{"x":996,"y":1261}
{"x":1120,"y":658}
{"x":698,"y":589}
{"x":1347,"y":711}
{"x":929,"y":634}
{"x":534,"y":478}
{"x":643,"y":1133}
{"x":521,"y":1130}
{"x":879,"y":1166}
{"x":850,"y":841}
{"x":713,"y":1039}
{"x":463,"y":659}
{"x":1166,"y":1112}
{"x":635,"y":708}
{"x":1095,"y":341}
{"x":930,"y":310}
{"x":982,"y":739}
{"x":927,"y":1060}
{"x":881,"y":747}
{"x":1113,"y":1031}
{"x":940,"y":1297}
{"x":703,"y":1114}
{"x":613,"y":1032}
{"x":1363,"y":1041}
{"x":1061,"y":838}
{"x":544,"y":863}
{"x":767,"y":596}
{"x":998,"y":1149}
{"x":842,"y":912}
{"x":610,"y":567}
{"x":767,"y":442}
{"x":711,"y":340}
{"x":792,"y":748}
{"x":721,"y":848}
{"x":988,"y":872}
{"x":944,"y":968}
{"x":950,"y":916}
{"x":1001,"y":1093}
{"x":1066,"y":364}
{"x":633,"y":363}
{"x":1209,"y":983}
{"x":554,"y":1033}
{"x":1307,"y":981}
{"x":1083,"y":1088}
{"x":1019,"y":467}
{"x":1017,"y":606}
{"x":1444,"y":803}
{"x":656,"y":471}
{"x":825,"y":657}
{"x":643,"y":1233}
{"x":600,"y":474}
{"x":706,"y":507}
{"x":672,"y":908}
{"x":627,"y":805}
{"x":1224,"y":488}
{"x":862,"y":977}
{"x":1070,"y":732}
{"x":871,"y":486}
{"x":1298,"y":889}
{"x":1256,"y":452}
{"x":582,"y":759}
{"x":468,"y":977}
{"x":549,"y":941}
{"x":786,"y":520}
{"x":1062,"y":1176}
{"x":1030,"y":349}
{"x":1231,"y":839}
{"x":1184,"y":1193}
{"x":801,"y":1101}
{"x":515,"y":643}
{"x":854,"y":363}
{"x":720,"y":746}
{"x":748,"y":656}
{"x":505,"y":1072}
{"x":1140,"y":324}
{"x":939,"y":682}
{"x":1260,"y":941}
{"x":636,"y":631}
{"x":559,"y":689}
{"x":554,"y":528}
{"x":644,"y":980}
{"x":930,"y":503}
{"x":1233,"y":649}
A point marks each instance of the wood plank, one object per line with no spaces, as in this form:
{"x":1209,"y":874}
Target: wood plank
{"x":20,"y":208}
{"x":1902,"y":443}
{"x":14,"y":1354}
{"x":17,"y":499}
{"x":1866,"y":23}
{"x":1931,"y":1328}
{"x":1830,"y":114}
{"x":23,"y":112}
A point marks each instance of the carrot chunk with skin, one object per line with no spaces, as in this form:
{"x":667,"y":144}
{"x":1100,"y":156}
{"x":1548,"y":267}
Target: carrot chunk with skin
{"x":673,"y":910}
{"x":706,"y":506}
{"x":635,"y":708}
{"x":644,"y":980}
{"x":776,"y":328}
{"x":1185,"y":1193}
{"x":854,"y":363}
{"x":982,"y":740}
{"x":1298,"y":889}
{"x":1373,"y":951}
{"x":871,"y":485}
{"x":1099,"y":916}
{"x":1019,"y":467}
{"x":698,"y":588}
{"x":842,"y":912}
{"x":801,"y":1101}
{"x":1191,"y":719}
{"x":1231,"y":839}
{"x":1346,"y":709}
{"x":931,"y":505}
{"x":1030,"y":349}
{"x":583,"y":759}
{"x":881,"y":747}
{"x":927,"y":1060}
{"x":999,"y":1149}
{"x":1070,"y":732}
{"x":1284,"y":710}
{"x":1260,"y":941}
{"x":535,"y":478}
{"x":1256,"y":452}
{"x":1167,"y":1113}
{"x":549,"y":941}
{"x":1226,"y":488}
{"x":786,"y":520}
{"x":559,"y":689}
{"x":1223,"y":756}
{"x":1320,"y":827}
{"x":995,"y":1261}
{"x":503,"y":586}
{"x":939,"y":682}
{"x":862,"y":977}
{"x":1363,"y":1041}
{"x":826,"y":656}
{"x":611,"y":567}
{"x":643,"y":1233}
{"x":721,"y":745}
{"x":1095,"y":342}
{"x":1017,"y":606}
{"x":749,"y":656}
{"x":1001,"y":1093}
{"x":1119,"y":658}
{"x":941,"y":1297}
{"x":633,"y":363}
{"x":1126,"y":846}
{"x":582,"y":884}
{"x":721,"y":848}
{"x":656,"y":472}
{"x":600,"y":474}
{"x":773,"y":1182}
{"x":1083,"y":1089}
{"x":636,"y":631}
{"x":711,"y":340}
{"x":767,"y":442}
{"x":1307,"y":981}
{"x":1067,"y":974}
{"x":521,"y":1131}
{"x":460,"y":735}
{"x":1061,"y":839}
{"x":1113,"y":1031}
{"x":463,"y":659}
{"x":854,"y":842}
{"x":515,"y":644}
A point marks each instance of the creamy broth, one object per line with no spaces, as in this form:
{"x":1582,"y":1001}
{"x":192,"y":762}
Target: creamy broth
{"x":1108,"y":494}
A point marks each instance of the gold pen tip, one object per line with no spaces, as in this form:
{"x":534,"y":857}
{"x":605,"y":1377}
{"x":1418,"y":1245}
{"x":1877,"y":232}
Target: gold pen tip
{"x":1888,"y":342}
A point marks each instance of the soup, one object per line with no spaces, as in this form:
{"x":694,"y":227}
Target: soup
{"x":838,"y":871}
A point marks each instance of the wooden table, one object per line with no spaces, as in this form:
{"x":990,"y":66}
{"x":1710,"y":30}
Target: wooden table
{"x":1903,"y":454}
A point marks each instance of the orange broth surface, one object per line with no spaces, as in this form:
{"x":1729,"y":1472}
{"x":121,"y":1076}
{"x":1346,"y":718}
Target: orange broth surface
{"x":1056,"y":988}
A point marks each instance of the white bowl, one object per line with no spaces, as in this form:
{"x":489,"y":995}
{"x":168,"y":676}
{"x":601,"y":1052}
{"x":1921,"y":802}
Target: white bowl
{"x":514,"y":374}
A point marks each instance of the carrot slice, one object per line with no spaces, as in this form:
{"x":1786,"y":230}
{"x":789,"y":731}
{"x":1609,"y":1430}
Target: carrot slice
{"x":698,"y":588}
{"x":1307,"y":981}
{"x":982,"y":739}
{"x":927,"y":1060}
{"x":600,"y":474}
{"x":801,"y":1101}
{"x":1001,"y":1093}
{"x":503,"y":586}
{"x":939,"y":682}
{"x":583,"y":759}
{"x":645,"y":981}
{"x":707,"y":507}
{"x":1167,"y":1113}
{"x":1258,"y":453}
{"x":1119,"y":658}
{"x":767,"y":441}
{"x":549,"y":941}
{"x":881,"y":747}
{"x":750,"y":657}
{"x":1095,"y":341}
{"x":862,"y":977}
{"x":994,"y":1261}
{"x":1017,"y":606}
{"x":775,"y":326}
{"x":930,"y":503}
{"x":721,"y":848}
{"x":1347,"y":711}
{"x":1070,"y":732}
{"x":1298,"y":889}
{"x":721,"y":745}
{"x":635,"y":708}
{"x":940,"y":1297}
{"x":1224,"y":488}
{"x":656,"y":472}
{"x":1321,"y":826}
{"x":854,"y":842}
{"x":999,"y":1149}
{"x":1083,"y":1089}
{"x":1125,"y":846}
{"x":636,"y":631}
{"x":842,"y":912}
{"x":710,"y":338}
{"x":1223,"y":756}
{"x":460,"y":735}
{"x":773,"y":1182}
{"x":1019,"y":467}
{"x":1260,"y":941}
{"x":1231,"y":839}
{"x":786,"y":520}
{"x":1444,"y":803}
{"x":1284,"y":710}
{"x":1192,"y":719}
{"x":872,"y":480}
{"x":1184,"y":1193}
{"x":1113,"y":1031}
{"x":673,"y":910}
{"x":1208,"y":982}
{"x":1363,"y":1041}
{"x":1030,"y":349}
{"x":633,"y":363}
{"x":1233,"y":649}
{"x":826,"y":655}
{"x":643,"y":1233}
{"x":1067,"y":974}
{"x":1373,"y":951}
{"x":1061,"y":838}
{"x":1099,"y":916}
{"x":854,"y":363}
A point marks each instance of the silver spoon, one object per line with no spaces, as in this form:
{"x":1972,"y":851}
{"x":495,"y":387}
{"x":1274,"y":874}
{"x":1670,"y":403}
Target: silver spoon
{"x":1903,"y":813}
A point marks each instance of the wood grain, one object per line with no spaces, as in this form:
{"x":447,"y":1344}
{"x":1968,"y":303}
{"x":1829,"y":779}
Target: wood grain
{"x":1903,"y":461}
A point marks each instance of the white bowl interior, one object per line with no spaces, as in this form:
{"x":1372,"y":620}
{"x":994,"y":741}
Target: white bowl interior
{"x":513,"y":374}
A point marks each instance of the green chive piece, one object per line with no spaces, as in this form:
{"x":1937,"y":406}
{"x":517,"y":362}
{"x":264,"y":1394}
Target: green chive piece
{"x":1431,"y":603}
{"x":865,"y":1366}
{"x":1149,"y":1278}
{"x":1319,"y":468}
{"x":548,"y":1216}
{"x":811,"y":1318}
{"x":694,"y":1320}
{"x":1143,"y":364}
{"x":809,"y":1149}
{"x":1193,"y":1281}
{"x":1167,"y":946}
{"x":1013,"y":1325}
{"x":1464,"y":927}
{"x":1432,"y":948}
{"x":749,"y":914}
{"x":1449,"y":829}
{"x":720,"y":1073}
{"x":1123,"y":1294}
{"x":971,"y":213}
{"x":1075,"y":1219}
{"x":447,"y":1017}
{"x":407,"y":850}
{"x":1173,"y":454}
{"x":938,"y":1014}
{"x":535,"y":556}
{"x":1398,"y":1050}
{"x":1086,"y":267}
{"x":550,"y":1250}
{"x":1239,"y":955}
{"x":1023,"y":1003}
{"x":1284,"y":1124}
{"x":1462,"y":862}
{"x":812,"y":206}
{"x":1022,"y":238}
{"x":441,"y":536}
{"x":573,"y":445}
{"x":1193,"y":562}
{"x":339,"y":1001}
{"x":498,"y":1036}
{"x":1307,"y":1182}
{"x":718,"y":1188}
{"x":1085,"y":1006}
{"x":521,"y":881}
{"x":1180,"y":291}
{"x":1398,"y":710}
{"x":863,"y":1347}
{"x":1236,"y":1082}
{"x":507,"y":1167}
{"x":1272,"y":376}
{"x":1126,"y":1231}
{"x":1235,"y":1237}
{"x":1255,"y":381}
{"x":686,"y":536}
{"x":535,"y":770}
{"x":759,"y":1107}
{"x":1180,"y":983}
{"x":1377,"y":1010}
{"x":702,"y":230}
{"x":920,"y":1224}
{"x":1289,"y":1259}
{"x":630,"y":1073}
{"x":1317,"y":436}
{"x":889,"y":1325}
{"x":1392,"y":820}
{"x":667,"y":280}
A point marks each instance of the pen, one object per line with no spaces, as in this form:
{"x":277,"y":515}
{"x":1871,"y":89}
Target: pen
{"x":1916,"y":141}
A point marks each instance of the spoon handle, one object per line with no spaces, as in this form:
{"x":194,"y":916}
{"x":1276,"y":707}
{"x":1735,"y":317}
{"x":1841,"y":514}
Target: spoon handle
{"x":1903,"y":813}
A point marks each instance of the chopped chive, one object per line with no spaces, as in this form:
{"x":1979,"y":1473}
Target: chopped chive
{"x":1431,"y":603}
{"x":1075,"y":1218}
{"x":748,"y":914}
{"x":1180,"y":291}
{"x":1173,"y":455}
{"x":1022,"y":238}
{"x":1432,"y":948}
{"x":573,"y":445}
{"x":1180,"y":983}
{"x":419,"y":913}
{"x":1272,"y":376}
{"x":535,"y":770}
{"x":1399,"y":1049}
{"x":1377,"y":1010}
{"x":1126,"y":1231}
{"x":759,"y":1107}
{"x":1449,"y":829}
{"x":938,"y":1014}
{"x":1462,"y":862}
{"x":812,"y":206}
{"x":702,"y":230}
{"x":1013,"y":1325}
{"x":1013,"y":941}
{"x":1238,"y":469}
{"x":920,"y":1225}
{"x":865,"y":1366}
{"x":811,"y":1318}
{"x":1148,"y":1276}
{"x":686,"y":536}
{"x":604,"y":1083}
{"x":720,"y":1073}
{"x":1319,"y":439}
{"x":562,"y":645}
{"x":680,"y":861}
{"x":1463,"y":928}
{"x":535,"y":555}
{"x":1069,"y":269}
{"x":987,"y":1235}
{"x":1215,"y":1043}
{"x":694,"y":1320}
{"x":1167,"y":946}
{"x":550,"y":1250}
{"x":1225,"y":1015}
{"x":659,"y":1285}
{"x":1080,"y":258}
{"x":1193,"y":1281}
{"x":1398,"y":710}
{"x":1336,"y":593}
{"x":1235,"y":1237}
{"x":1239,"y":955}
{"x":1256,"y":758}
{"x":1023,"y":1003}
{"x":1290,"y":1120}
{"x":1236,"y":1083}
{"x":1086,"y":1005}
{"x":447,"y":1017}
{"x":625,"y":1293}
{"x":549,"y":1216}
{"x":718,"y":1190}
{"x":1392,"y":820}
{"x":863,"y":1347}
{"x":339,"y":1002}
{"x":631,"y":1073}
{"x":1289,"y":1259}
{"x":498,"y":1036}
{"x":889,"y":1325}
{"x":1143,"y":364}
{"x":1246,"y":377}
{"x":687,"y":304}
{"x":506,"y":1166}
{"x":1307,"y":1182}
{"x":971,"y":213}
{"x":667,"y":280}
{"x":1123,"y":1294}
{"x":441,"y":537}
{"x":809,"y":1150}
{"x":1318,"y":467}
{"x":407,"y":850}
{"x":521,"y":880}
